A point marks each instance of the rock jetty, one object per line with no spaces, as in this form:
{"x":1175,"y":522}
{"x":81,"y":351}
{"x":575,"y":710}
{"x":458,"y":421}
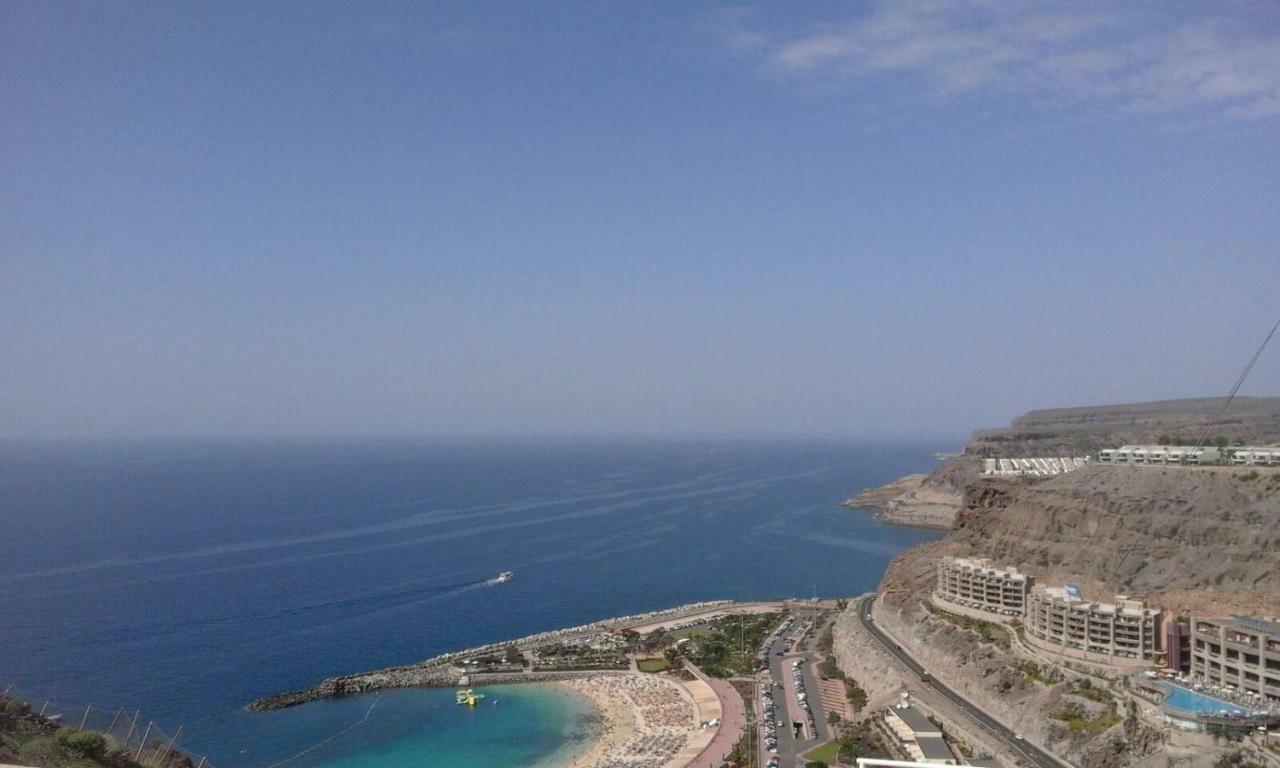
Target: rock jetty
{"x":443,"y":670}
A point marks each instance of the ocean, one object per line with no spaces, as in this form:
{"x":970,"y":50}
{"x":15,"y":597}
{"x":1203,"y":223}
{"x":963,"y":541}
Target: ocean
{"x":187,"y":578}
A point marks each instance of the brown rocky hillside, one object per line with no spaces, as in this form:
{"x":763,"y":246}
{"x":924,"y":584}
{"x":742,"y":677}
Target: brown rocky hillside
{"x":1084,"y":430}
{"x":1196,"y":539}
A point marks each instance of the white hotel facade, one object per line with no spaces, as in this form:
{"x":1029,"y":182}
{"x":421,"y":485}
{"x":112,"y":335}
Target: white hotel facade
{"x":1125,"y":633}
{"x":978,"y":584}
{"x":1159,"y":454}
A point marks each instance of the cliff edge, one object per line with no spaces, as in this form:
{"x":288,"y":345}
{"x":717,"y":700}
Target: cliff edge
{"x":1193,"y":540}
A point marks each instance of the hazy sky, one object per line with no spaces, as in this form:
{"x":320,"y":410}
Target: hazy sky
{"x":873,"y":219}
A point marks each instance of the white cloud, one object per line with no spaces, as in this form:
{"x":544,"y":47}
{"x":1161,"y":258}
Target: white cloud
{"x":1110,"y":58}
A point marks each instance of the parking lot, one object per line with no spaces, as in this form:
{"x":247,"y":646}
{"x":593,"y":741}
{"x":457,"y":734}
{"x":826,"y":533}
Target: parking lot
{"x":790,"y":718}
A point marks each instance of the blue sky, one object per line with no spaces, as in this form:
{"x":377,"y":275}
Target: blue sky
{"x":868,"y":219}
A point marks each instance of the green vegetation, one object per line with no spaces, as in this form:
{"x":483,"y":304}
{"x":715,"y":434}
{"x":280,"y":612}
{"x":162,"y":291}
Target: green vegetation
{"x":825,"y":754}
{"x":1237,"y":759}
{"x":653,"y":665}
{"x":829,"y":670}
{"x":28,"y":739}
{"x":688,"y":632}
{"x":1085,"y":689}
{"x":1224,"y":732}
{"x":989,"y":632}
{"x":826,"y":640}
{"x":860,"y":741}
{"x":742,"y":754}
{"x":856,"y":695}
{"x":561,"y":656}
{"x":1037,"y":674}
{"x":1078,"y":721}
{"x":745,"y":753}
{"x":727,"y":646}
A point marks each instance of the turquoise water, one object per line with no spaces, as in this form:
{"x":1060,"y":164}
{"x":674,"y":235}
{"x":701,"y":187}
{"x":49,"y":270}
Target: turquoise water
{"x":186,"y":579}
{"x":530,"y":725}
{"x":1190,"y":701}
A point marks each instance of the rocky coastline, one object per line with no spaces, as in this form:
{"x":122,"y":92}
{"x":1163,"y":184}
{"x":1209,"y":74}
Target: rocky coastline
{"x":918,"y":501}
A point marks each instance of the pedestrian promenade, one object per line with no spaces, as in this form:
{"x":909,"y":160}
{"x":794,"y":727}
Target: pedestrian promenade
{"x":725,"y":704}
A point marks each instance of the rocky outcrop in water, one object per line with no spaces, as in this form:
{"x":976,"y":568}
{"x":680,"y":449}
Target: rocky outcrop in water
{"x":921,"y":501}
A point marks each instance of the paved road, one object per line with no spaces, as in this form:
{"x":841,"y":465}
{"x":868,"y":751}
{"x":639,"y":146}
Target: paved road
{"x":1030,"y":752}
{"x":791,"y":749}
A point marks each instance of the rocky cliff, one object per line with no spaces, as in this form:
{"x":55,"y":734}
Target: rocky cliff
{"x":1193,"y":540}
{"x":1084,"y":430}
{"x":1190,"y":539}
{"x":922,"y":501}
{"x":934,"y":500}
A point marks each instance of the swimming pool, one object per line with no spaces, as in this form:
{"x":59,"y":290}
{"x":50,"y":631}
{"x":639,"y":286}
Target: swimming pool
{"x":1187,"y":700}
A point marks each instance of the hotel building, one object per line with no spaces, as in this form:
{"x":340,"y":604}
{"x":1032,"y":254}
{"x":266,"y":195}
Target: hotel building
{"x":1124,"y":632}
{"x":1240,"y":651}
{"x":917,"y":736}
{"x":1159,"y":454}
{"x":1256,"y":457}
{"x":1177,"y":646}
{"x":979,"y":584}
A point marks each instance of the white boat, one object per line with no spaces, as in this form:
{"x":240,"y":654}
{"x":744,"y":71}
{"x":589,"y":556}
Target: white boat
{"x":505,"y":576}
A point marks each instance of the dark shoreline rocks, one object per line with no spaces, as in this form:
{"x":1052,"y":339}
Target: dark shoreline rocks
{"x":440,"y":671}
{"x":435,"y":676}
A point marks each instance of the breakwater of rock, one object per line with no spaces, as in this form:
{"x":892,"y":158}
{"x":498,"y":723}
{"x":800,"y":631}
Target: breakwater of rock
{"x":440,"y":671}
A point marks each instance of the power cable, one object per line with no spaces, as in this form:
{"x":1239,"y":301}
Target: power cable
{"x":1236,"y":387}
{"x":314,"y":747}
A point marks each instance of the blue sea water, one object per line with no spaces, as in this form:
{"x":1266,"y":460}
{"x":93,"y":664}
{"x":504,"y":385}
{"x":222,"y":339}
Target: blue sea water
{"x":187,"y":578}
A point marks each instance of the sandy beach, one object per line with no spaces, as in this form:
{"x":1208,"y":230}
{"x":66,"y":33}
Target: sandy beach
{"x":646,"y":721}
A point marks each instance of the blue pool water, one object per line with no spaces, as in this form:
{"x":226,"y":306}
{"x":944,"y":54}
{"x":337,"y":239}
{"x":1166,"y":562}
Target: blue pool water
{"x":186,"y":579}
{"x":1187,"y":700}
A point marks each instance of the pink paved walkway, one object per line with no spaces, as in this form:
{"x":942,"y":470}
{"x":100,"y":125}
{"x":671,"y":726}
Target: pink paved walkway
{"x":734,"y":719}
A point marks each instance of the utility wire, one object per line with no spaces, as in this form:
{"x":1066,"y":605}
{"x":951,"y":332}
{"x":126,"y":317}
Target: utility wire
{"x":1236,"y":388}
{"x":1115,"y":572}
{"x":314,"y":747}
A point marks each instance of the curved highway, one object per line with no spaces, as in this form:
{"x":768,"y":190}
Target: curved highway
{"x":1027,"y":750}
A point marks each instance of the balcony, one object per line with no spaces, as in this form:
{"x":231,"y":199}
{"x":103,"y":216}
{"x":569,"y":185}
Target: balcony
{"x":1240,"y":643}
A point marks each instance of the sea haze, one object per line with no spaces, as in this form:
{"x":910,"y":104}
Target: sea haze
{"x":186,"y":579}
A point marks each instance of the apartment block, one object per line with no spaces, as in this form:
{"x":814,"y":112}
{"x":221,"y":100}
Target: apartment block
{"x":1126,"y":630}
{"x":980,"y":584}
{"x":1159,"y":454}
{"x":1256,"y":457}
{"x":1240,"y":651}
